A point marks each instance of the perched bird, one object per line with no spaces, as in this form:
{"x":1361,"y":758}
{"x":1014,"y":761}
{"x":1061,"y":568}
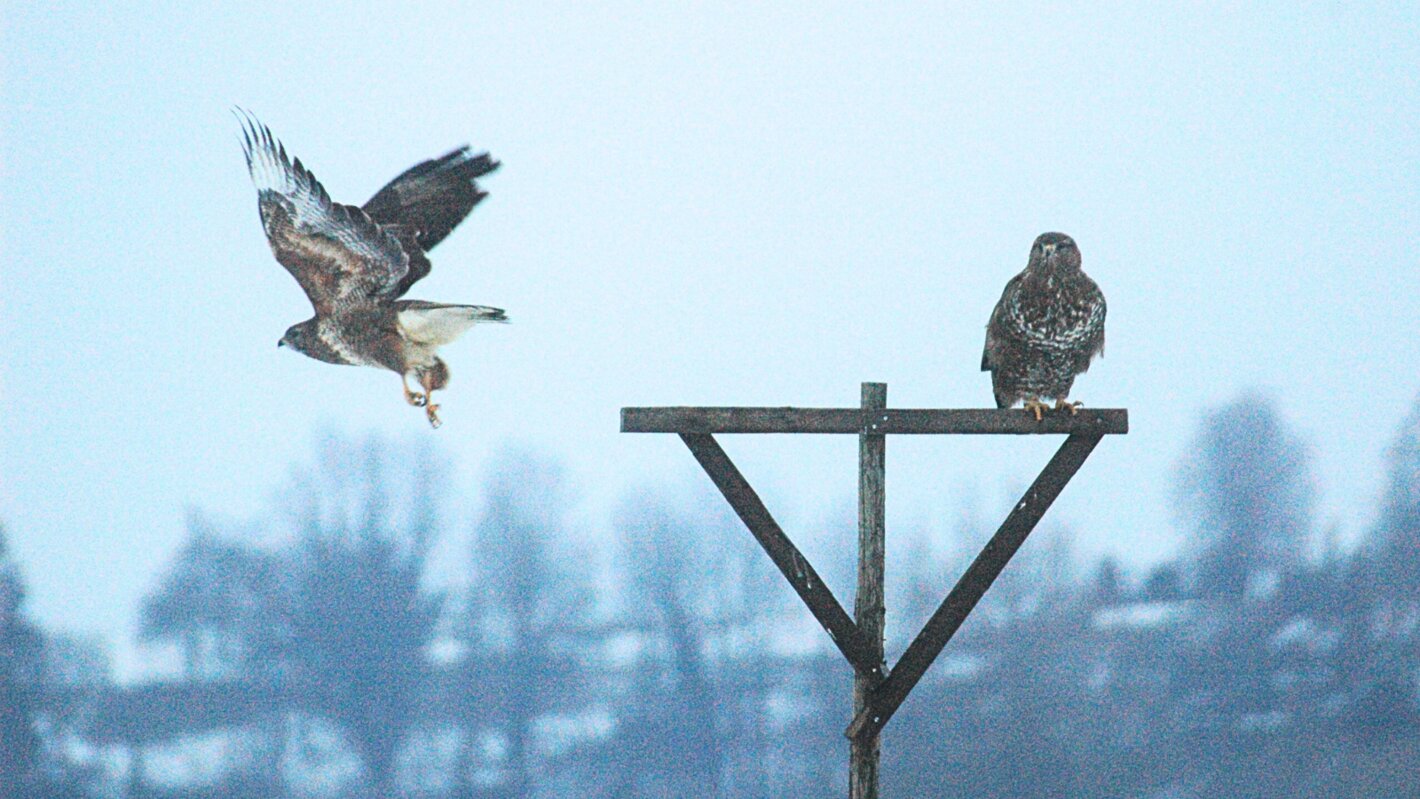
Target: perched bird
{"x":1045,"y":330}
{"x":355,"y":263}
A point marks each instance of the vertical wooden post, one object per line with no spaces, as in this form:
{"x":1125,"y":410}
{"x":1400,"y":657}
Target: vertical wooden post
{"x":868,"y":611}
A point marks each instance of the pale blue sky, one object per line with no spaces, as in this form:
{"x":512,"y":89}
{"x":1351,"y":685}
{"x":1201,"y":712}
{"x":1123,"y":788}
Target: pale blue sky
{"x":699,"y":204}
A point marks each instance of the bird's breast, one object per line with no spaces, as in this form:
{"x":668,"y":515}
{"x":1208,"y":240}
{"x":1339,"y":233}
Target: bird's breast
{"x":348,"y":341}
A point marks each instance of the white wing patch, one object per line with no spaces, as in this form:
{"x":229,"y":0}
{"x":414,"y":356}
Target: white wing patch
{"x":437,"y":325}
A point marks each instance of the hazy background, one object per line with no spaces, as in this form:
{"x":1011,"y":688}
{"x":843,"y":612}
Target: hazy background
{"x":699,"y":204}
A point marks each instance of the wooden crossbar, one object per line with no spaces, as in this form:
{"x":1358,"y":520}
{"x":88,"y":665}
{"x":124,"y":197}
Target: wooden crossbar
{"x":887,"y":421}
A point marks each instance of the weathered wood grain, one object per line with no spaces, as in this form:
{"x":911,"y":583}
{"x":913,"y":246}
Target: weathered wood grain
{"x":868,"y":609}
{"x":885,"y":421}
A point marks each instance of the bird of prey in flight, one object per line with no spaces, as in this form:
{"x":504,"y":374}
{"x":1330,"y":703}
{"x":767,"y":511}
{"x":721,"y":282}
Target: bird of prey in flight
{"x":355,"y":263}
{"x":1045,"y":330}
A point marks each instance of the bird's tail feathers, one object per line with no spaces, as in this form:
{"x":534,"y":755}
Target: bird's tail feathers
{"x":438,"y":324}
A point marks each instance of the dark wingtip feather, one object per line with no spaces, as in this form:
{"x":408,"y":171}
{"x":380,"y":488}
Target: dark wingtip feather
{"x":482,"y":164}
{"x":246,"y":142}
{"x":433,"y":196}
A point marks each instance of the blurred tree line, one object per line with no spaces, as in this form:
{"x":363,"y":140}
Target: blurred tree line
{"x":1264,"y":661}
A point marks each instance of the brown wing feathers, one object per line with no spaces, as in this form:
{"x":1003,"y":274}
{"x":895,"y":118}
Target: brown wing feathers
{"x":433,"y":196}
{"x":325,"y":244}
{"x":336,"y":252}
{"x":426,"y":202}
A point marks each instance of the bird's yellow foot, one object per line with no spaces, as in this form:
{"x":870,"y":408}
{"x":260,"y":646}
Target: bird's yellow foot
{"x":415,"y":398}
{"x":1036,"y":407}
{"x":1064,"y":404}
{"x":432,"y":411}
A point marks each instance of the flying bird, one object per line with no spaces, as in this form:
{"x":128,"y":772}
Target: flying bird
{"x":1046,"y":329}
{"x":355,"y":263}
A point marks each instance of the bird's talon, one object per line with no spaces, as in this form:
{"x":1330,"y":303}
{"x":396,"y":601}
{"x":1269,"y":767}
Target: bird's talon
{"x":432,"y":411}
{"x":1072,"y":407}
{"x":1036,"y":408}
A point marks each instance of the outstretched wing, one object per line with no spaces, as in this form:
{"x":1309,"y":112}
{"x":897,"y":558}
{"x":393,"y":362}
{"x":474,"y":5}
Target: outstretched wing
{"x":427,"y":201}
{"x":336,"y":252}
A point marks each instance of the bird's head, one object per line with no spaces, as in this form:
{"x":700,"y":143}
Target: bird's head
{"x":299,"y":337}
{"x":1054,"y":251}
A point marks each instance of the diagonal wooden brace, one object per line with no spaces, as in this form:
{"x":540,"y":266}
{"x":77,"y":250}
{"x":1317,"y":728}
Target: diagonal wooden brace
{"x":891,"y":692}
{"x":791,"y":562}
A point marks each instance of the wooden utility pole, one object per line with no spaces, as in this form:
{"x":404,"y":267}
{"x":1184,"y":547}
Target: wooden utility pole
{"x":877,"y":693}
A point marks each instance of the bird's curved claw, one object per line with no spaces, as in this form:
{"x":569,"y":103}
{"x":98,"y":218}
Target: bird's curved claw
{"x":1036,"y":407}
{"x":415,"y":398}
{"x":432,"y":411}
{"x":1064,"y":404}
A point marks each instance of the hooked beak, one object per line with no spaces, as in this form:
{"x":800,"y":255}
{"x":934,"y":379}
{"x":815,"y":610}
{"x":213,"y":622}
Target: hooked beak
{"x":1048,"y":249}
{"x":281,"y":343}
